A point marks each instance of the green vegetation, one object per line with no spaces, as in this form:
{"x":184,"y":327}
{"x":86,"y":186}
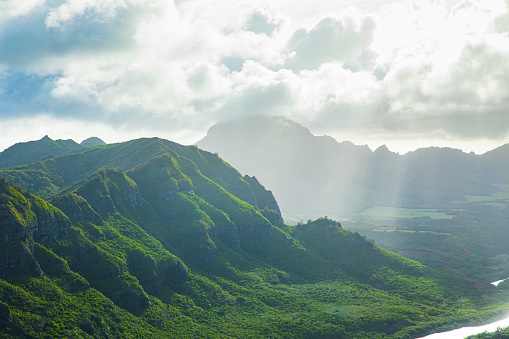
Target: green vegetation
{"x":498,"y":334}
{"x":399,"y":213}
{"x":152,"y":239}
{"x":33,"y":151}
{"x":466,"y":238}
{"x":440,"y":206}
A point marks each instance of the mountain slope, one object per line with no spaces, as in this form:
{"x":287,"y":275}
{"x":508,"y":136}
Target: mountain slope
{"x":164,"y":240}
{"x":439,"y":206}
{"x":306,"y":173}
{"x":313,"y":176}
{"x":33,"y":151}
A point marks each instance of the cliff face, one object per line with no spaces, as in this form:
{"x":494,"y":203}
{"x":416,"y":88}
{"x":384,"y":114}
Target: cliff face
{"x":25,"y":220}
{"x":265,"y":201}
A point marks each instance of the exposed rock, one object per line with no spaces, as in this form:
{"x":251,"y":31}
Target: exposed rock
{"x":228,"y":235}
{"x":265,"y":201}
{"x":153,"y":275}
{"x":17,"y":243}
{"x":143,"y":266}
{"x":51,"y":223}
{"x":133,"y":300}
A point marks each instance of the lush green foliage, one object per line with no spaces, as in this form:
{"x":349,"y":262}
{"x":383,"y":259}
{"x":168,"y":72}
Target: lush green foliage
{"x":33,"y":151}
{"x":176,"y":243}
{"x":498,"y":334}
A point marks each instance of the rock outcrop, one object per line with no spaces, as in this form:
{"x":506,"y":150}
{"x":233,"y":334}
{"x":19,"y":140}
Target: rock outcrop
{"x":265,"y":201}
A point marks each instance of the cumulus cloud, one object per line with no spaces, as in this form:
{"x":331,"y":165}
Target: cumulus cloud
{"x":264,"y":19}
{"x":346,"y":40}
{"x":170,"y":68}
{"x":45,"y":36}
{"x":452,"y":80}
{"x":466,"y":98}
{"x":14,"y":8}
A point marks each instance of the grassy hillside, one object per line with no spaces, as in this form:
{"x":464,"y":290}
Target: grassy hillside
{"x":153,"y":239}
{"x":33,"y":151}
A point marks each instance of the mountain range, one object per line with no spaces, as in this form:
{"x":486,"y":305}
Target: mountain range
{"x":316,"y":175}
{"x":27,"y":152}
{"x":149,"y":238}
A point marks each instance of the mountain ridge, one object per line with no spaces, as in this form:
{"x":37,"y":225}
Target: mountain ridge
{"x":295,"y":164}
{"x":23,"y":153}
{"x":166,"y":240}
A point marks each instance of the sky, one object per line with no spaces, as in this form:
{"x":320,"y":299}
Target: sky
{"x":407,"y":74}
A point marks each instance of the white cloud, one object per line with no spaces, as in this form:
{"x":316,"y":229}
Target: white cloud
{"x":70,"y":9}
{"x":455,"y":81}
{"x":14,"y":8}
{"x":68,"y":128}
{"x":346,"y":39}
{"x":412,"y":68}
{"x":264,"y":19}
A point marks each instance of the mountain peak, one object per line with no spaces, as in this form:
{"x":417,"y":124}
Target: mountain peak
{"x":92,"y":141}
{"x":382,"y":149}
{"x":32,"y":151}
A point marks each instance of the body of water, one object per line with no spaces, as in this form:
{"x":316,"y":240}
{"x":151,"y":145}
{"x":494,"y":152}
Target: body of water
{"x":463,"y":332}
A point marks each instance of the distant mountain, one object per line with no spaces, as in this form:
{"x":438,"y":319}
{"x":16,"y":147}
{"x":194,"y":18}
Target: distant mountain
{"x":33,"y":151}
{"x":315,"y":175}
{"x":92,"y":141}
{"x":149,"y":238}
{"x":305,"y":172}
{"x":28,"y":152}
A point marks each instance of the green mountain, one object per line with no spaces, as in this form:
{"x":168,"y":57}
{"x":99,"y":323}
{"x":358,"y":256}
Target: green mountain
{"x":33,"y":151}
{"x":309,"y":175}
{"x":440,"y":206}
{"x":316,"y":175}
{"x":92,"y":141}
{"x":28,"y":152}
{"x":149,"y":238}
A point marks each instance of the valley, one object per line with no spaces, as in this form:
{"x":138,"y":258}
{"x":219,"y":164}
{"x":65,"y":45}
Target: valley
{"x":254,"y":169}
{"x":151,"y":238}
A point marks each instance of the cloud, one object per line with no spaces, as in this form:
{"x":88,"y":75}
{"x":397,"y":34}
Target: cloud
{"x":259,"y":90}
{"x":346,"y":40}
{"x":415,"y":68}
{"x":466,"y":99}
{"x":453,"y":77}
{"x":264,"y":19}
{"x":69,"y":10}
{"x":14,"y":8}
{"x":46,"y":36}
